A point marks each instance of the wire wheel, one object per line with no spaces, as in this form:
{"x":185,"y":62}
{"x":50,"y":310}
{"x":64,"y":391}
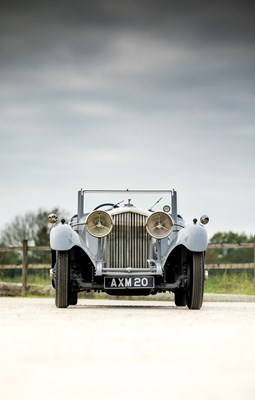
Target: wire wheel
{"x":195,"y":289}
{"x":62,"y":280}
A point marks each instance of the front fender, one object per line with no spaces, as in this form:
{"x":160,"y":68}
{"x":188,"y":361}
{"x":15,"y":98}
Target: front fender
{"x":193,"y":237}
{"x":63,"y":237}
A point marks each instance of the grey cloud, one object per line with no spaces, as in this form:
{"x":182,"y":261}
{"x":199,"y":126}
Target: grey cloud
{"x":127,"y":91}
{"x":214,"y":22}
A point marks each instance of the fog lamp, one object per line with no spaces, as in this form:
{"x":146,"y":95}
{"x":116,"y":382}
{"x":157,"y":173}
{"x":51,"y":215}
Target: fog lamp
{"x":52,"y":218}
{"x":204,"y":219}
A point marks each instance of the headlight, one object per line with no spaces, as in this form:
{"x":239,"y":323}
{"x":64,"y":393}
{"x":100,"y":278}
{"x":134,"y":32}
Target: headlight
{"x":99,"y":223}
{"x":159,"y":224}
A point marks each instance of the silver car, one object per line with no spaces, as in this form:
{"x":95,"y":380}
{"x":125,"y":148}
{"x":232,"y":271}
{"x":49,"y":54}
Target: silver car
{"x":125,"y":250}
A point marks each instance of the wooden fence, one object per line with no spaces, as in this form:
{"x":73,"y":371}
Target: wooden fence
{"x":25,"y":249}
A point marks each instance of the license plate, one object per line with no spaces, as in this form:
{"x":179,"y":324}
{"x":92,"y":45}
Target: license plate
{"x":144,"y":282}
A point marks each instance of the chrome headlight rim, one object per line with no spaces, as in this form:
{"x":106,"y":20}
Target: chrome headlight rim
{"x":99,"y":223}
{"x":159,"y":224}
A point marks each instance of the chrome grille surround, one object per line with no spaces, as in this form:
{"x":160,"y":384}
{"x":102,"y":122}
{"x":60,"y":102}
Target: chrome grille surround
{"x":128,"y":247}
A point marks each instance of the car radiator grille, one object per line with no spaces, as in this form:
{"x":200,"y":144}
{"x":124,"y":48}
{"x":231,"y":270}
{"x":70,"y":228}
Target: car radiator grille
{"x":128,"y":246}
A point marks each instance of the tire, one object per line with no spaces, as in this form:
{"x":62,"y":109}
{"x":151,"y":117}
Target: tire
{"x":180,"y":298}
{"x":195,"y":289}
{"x":62,"y":280}
{"x":73,"y":298}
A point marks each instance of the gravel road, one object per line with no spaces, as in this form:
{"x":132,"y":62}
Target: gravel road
{"x":113,"y":349}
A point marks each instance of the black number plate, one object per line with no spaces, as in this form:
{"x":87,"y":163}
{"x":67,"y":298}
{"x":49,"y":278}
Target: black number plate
{"x":131,"y":282}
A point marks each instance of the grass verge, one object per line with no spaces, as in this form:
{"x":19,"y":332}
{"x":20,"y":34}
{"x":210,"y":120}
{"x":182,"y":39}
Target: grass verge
{"x":231,"y":282}
{"x":220,"y":282}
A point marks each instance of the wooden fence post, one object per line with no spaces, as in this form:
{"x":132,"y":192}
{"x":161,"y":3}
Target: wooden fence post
{"x":24,"y":268}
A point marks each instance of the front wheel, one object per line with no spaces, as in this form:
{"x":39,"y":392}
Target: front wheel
{"x":62,"y":280}
{"x":73,"y":298}
{"x":195,"y":288}
{"x":180,"y":298}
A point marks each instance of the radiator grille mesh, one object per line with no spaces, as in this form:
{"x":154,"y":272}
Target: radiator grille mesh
{"x":128,"y":245}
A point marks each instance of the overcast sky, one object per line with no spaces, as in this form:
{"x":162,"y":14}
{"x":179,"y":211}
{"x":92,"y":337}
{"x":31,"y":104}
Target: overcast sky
{"x":129,"y":94}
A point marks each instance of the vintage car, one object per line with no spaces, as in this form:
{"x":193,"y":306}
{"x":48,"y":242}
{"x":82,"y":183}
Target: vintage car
{"x":125,"y":250}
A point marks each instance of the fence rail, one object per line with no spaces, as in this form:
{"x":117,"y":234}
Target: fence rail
{"x":231,"y":245}
{"x":230,"y":266}
{"x":25,"y":249}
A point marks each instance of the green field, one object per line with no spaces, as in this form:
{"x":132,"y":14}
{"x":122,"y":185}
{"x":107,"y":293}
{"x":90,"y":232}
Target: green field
{"x":231,"y":282}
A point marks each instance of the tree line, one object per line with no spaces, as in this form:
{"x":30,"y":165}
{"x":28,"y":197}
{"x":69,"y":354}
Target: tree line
{"x":32,"y":226}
